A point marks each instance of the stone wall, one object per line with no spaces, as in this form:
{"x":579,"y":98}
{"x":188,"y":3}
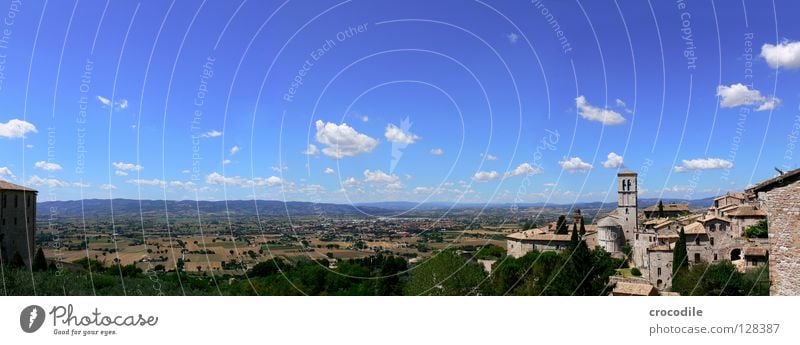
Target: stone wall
{"x":660,"y":259}
{"x":17,"y":224}
{"x":782,"y":205}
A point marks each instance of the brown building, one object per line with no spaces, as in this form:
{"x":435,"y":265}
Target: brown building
{"x":17,"y":221}
{"x":670,"y":211}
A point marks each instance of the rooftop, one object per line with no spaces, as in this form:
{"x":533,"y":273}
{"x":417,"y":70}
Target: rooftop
{"x":777,"y":181}
{"x":627,"y":173}
{"x":634,"y":289}
{"x":669,"y":208}
{"x":695,"y":228}
{"x":747,"y":211}
{"x":5,"y":185}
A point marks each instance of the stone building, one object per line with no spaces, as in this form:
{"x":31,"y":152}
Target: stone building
{"x":610,"y":235}
{"x":17,"y":221}
{"x":671,"y":210}
{"x":780,"y":198}
{"x":616,"y":230}
{"x":659,"y":263}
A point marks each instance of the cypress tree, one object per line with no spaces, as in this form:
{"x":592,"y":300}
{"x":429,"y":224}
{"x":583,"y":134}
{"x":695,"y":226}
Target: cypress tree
{"x":573,"y":240}
{"x":39,"y":261}
{"x":561,"y":225}
{"x":583,"y":228}
{"x":679,"y":254}
{"x":16,"y":261}
{"x":660,"y":209}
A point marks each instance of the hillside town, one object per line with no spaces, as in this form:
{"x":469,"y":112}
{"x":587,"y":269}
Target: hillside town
{"x":733,"y":228}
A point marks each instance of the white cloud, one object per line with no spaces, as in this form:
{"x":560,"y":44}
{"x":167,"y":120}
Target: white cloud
{"x":769,"y":104}
{"x":127,"y":166}
{"x":212,"y":134}
{"x":350,"y":182}
{"x":703,"y":164}
{"x":592,"y":113}
{"x":49,"y":182}
{"x":398,"y":135}
{"x":737,"y":95}
{"x":120,"y":173}
{"x":437,"y":152}
{"x":342,"y":140}
{"x":30,"y":146}
{"x":6,"y":172}
{"x":280,"y":168}
{"x":187,"y":186}
{"x":268,"y":182}
{"x":523,"y":169}
{"x":142,"y":182}
{"x":226,"y":161}
{"x":216,"y":178}
{"x":379,"y":176}
{"x":123,"y":104}
{"x":365,"y":118}
{"x":512,"y":37}
{"x":485,"y":176}
{"x":575,"y":164}
{"x":235,"y":149}
{"x":329,"y":171}
{"x":614,"y":161}
{"x":186,"y":171}
{"x":108,"y":186}
{"x":311,"y":150}
{"x":16,"y":128}
{"x":47,"y":166}
{"x":785,"y":54}
{"x":489,"y":157}
{"x":104,"y":101}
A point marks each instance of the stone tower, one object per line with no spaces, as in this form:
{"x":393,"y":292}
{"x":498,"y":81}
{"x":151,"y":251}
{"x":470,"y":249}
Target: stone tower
{"x":17,"y":221}
{"x":627,"y":205}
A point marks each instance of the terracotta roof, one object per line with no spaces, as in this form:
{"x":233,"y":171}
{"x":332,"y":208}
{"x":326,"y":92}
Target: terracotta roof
{"x":710,"y":218}
{"x":777,"y":181}
{"x":627,"y":172}
{"x":539,"y":235}
{"x":755,"y":251}
{"x":737,"y":195}
{"x":663,"y":224}
{"x":669,"y":208}
{"x":695,"y":228}
{"x":747,"y":211}
{"x":5,"y":185}
{"x":634,"y":289}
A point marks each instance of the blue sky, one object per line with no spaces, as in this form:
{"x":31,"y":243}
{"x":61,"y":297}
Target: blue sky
{"x":355,"y":101}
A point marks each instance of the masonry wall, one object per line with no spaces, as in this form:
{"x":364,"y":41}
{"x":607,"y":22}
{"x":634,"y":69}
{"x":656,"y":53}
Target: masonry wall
{"x":783,"y":216}
{"x":660,"y":260}
{"x":17,"y":224}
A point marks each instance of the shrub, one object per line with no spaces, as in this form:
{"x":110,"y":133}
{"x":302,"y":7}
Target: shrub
{"x":636,"y":272}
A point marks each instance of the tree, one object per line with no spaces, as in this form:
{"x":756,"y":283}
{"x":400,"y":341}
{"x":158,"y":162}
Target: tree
{"x":39,"y":261}
{"x":16,"y":261}
{"x":179,"y":265}
{"x":573,"y":240}
{"x":660,"y":213}
{"x":445,"y":274}
{"x":583,"y":228}
{"x":679,"y":254}
{"x":760,"y":230}
{"x":561,"y":225}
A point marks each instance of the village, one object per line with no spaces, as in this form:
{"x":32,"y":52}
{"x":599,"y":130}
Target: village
{"x":734,"y":228}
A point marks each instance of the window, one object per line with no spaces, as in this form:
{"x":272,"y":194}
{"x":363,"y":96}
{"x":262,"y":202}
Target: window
{"x":722,"y":227}
{"x":696,"y":257}
{"x":659,"y":271}
{"x":715,"y":257}
{"x":15,"y":220}
{"x":697,"y":240}
{"x":16,"y":201}
{"x":712,"y":241}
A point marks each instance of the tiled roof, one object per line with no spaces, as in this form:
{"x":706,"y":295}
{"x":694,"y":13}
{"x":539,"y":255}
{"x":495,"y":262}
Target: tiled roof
{"x":635,"y":289}
{"x":5,"y":185}
{"x":669,"y":208}
{"x":695,"y":228}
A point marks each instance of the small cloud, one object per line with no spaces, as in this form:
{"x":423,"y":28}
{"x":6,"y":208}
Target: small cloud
{"x":400,"y":135}
{"x":120,"y":173}
{"x":437,"y":152}
{"x":280,"y":168}
{"x":785,"y":54}
{"x":127,"y":166}
{"x":592,"y":113}
{"x":212,"y":134}
{"x":30,"y":146}
{"x":49,"y":182}
{"x":142,"y":182}
{"x":6,"y":172}
{"x":104,"y":101}
{"x":186,"y":171}
{"x":703,"y":164}
{"x":235,"y":149}
{"x":329,"y":171}
{"x":574,"y":165}
{"x":523,"y":169}
{"x":512,"y":37}
{"x":488,"y":157}
{"x":108,"y":186}
{"x":311,"y":150}
{"x":226,"y":162}
{"x":365,"y":118}
{"x":16,"y":128}
{"x":342,"y":140}
{"x":485,"y":176}
{"x":122,"y":104}
{"x":614,"y":161}
{"x":47,"y":166}
{"x":769,"y":104}
{"x":621,"y":104}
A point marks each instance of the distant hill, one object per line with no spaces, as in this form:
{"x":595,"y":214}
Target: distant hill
{"x":101,"y":208}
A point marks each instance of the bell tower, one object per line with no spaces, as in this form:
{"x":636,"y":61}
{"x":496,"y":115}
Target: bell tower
{"x":627,"y":205}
